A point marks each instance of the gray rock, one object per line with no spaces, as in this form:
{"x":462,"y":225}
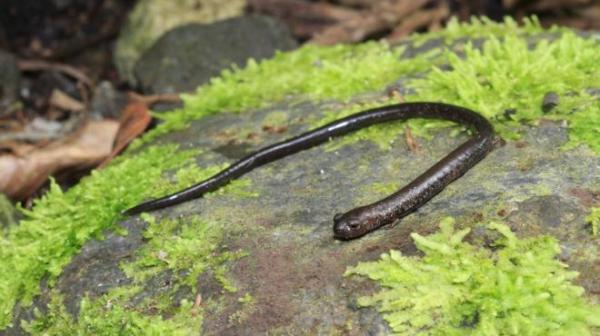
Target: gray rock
{"x":189,"y":56}
{"x":10,"y":79}
{"x":294,"y":268}
{"x":550,"y":101}
{"x":150,"y":19}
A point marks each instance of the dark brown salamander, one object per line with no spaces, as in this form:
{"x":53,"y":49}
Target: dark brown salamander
{"x":364,"y":219}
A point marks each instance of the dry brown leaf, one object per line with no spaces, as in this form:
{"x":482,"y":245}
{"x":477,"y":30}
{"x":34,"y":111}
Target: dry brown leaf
{"x":21,"y":176}
{"x":134,"y":121}
{"x":65,"y":102}
{"x":17,"y":148}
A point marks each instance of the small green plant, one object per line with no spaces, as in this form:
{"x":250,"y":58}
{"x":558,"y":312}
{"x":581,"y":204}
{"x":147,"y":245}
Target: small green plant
{"x":520,"y":288}
{"x":506,"y":81}
{"x":182,"y":246}
{"x":110,"y":315}
{"x":61,"y":222}
{"x":179,"y":245}
{"x":482,"y":27}
{"x":594,"y":219}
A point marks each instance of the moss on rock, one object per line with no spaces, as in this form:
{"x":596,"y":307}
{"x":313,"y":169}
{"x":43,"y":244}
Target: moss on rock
{"x":518,"y":288}
{"x":505,"y":80}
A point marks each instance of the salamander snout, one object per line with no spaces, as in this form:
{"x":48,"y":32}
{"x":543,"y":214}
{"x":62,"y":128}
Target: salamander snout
{"x":349,"y":226}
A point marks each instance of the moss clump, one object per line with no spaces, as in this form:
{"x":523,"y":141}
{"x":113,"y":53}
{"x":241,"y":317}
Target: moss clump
{"x":482,"y":27}
{"x":110,"y":315}
{"x":179,"y":245}
{"x":248,"y":305}
{"x":584,"y":121}
{"x":382,"y":188}
{"x":182,"y":246}
{"x":459,"y":289}
{"x":61,"y":222}
{"x":506,"y":82}
{"x":594,"y":219}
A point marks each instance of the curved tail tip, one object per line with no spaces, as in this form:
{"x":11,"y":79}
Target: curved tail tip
{"x":131,"y":211}
{"x":126,"y":213}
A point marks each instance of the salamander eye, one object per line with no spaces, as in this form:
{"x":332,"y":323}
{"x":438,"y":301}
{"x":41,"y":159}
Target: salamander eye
{"x":353,"y":224}
{"x":337,"y":217}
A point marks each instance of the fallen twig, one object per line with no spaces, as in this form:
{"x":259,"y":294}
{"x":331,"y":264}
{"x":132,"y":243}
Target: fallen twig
{"x":304,"y":18}
{"x":77,"y":45}
{"x":36,"y":65}
{"x":360,"y":3}
{"x":155,"y":99}
{"x":418,"y":19}
{"x":63,"y":101}
{"x":384,"y":15}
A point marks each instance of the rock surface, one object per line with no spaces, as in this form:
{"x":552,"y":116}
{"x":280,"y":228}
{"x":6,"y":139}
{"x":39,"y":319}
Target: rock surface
{"x":189,"y":56}
{"x":294,"y":268}
{"x":150,"y":19}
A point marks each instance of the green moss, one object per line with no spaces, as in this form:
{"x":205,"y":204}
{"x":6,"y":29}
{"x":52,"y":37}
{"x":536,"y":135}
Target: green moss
{"x":276,"y":118}
{"x":179,"y":245}
{"x":313,"y":72}
{"x":382,"y":135}
{"x":246,"y":299}
{"x":183,"y":246}
{"x":110,"y":315}
{"x":520,"y":288}
{"x":61,"y":222}
{"x":248,"y":306}
{"x":584,"y":121}
{"x":505,"y":81}
{"x":382,"y":188}
{"x":482,"y":27}
{"x":594,"y":220}
{"x":505,"y":75}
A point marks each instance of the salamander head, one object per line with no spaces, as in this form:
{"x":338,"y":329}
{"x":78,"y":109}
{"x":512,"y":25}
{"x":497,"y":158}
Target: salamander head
{"x":352,"y":224}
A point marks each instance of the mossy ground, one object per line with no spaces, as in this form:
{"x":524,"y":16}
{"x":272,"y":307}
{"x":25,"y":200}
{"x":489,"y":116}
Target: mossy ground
{"x":505,"y":80}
